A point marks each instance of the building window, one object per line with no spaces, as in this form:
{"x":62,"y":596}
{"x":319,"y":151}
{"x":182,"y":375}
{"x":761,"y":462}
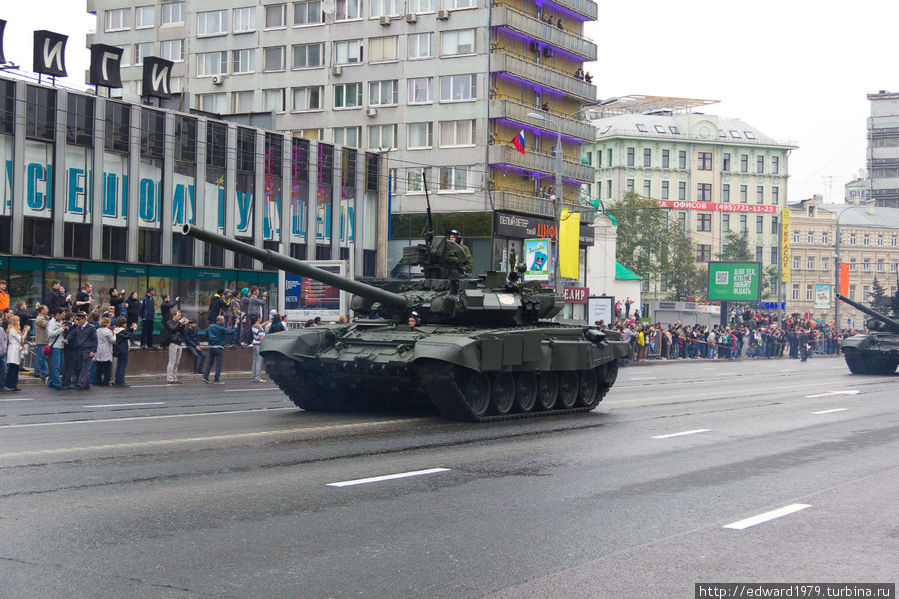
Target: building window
{"x":630,"y":157}
{"x":458,"y":88}
{"x":274,"y":16}
{"x":308,"y":12}
{"x":852,"y":264}
{"x":703,"y":222}
{"x":810,"y":238}
{"x":347,"y":136}
{"x":795,"y":291}
{"x":796,"y":262}
{"x":744,"y":163}
{"x":725,"y":193}
{"x":759,"y":164}
{"x":457,"y":133}
{"x":420,"y":5}
{"x":421,"y":45}
{"x":420,"y":136}
{"x":866,"y":265}
{"x":383,"y":93}
{"x":682,"y":159}
{"x":173,"y":13}
{"x":775,"y":165}
{"x":647,"y":188}
{"x":213,"y":22}
{"x":647,"y":157}
{"x":759,"y":194}
{"x":682,"y":221}
{"x":893,"y":240}
{"x":212,"y":63}
{"x":457,"y":42}
{"x":744,"y":194}
{"x":273,"y":58}
{"x":80,"y":121}
{"x":665,"y":158}
{"x":454,"y":178}
{"x":172,"y":50}
{"x":347,"y":52}
{"x":775,"y":225}
{"x":118,"y":19}
{"x":880,"y":240}
{"x":809,"y":292}
{"x":852,"y":239}
{"x":705,"y":161}
{"x":704,"y":192}
{"x":243,"y":61}
{"x":608,"y":189}
{"x":866,"y":239}
{"x":382,"y":48}
{"x":629,"y":186}
{"x":825,"y":238}
{"x":306,"y":56}
{"x":665,"y":194}
{"x":414,"y":179}
{"x":242,"y":102}
{"x":703,"y":252}
{"x":307,"y":98}
{"x":682,"y":190}
{"x":825,"y":263}
{"x":385,"y":8}
{"x":759,"y":224}
{"x":880,"y":265}
{"x":144,"y":16}
{"x":725,"y":223}
{"x":775,"y":192}
{"x":743,"y":223}
{"x":421,"y":90}
{"x":141,"y":50}
{"x":348,"y":95}
{"x":273,"y":99}
{"x":349,"y":9}
{"x":725,"y":162}
{"x":795,"y":235}
{"x":244,"y":19}
{"x":774,"y":259}
{"x":759,"y":253}
{"x":810,"y":263}
{"x":382,"y":137}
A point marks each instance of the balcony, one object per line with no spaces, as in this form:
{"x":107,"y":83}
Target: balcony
{"x":525,"y":204}
{"x":513,"y":111}
{"x":543,"y":163}
{"x":505,"y":16}
{"x":503,"y":62}
{"x":586,"y":8}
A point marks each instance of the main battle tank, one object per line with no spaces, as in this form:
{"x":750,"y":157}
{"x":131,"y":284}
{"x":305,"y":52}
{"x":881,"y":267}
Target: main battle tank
{"x":484,"y":350}
{"x":876,"y":352}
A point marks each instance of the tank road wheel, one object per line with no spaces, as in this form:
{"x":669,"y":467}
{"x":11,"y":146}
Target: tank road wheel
{"x":568,"y":389}
{"x":525,"y":391}
{"x":476,"y":391}
{"x":587,"y":388}
{"x":547,"y":390}
{"x":503,"y":393}
{"x":610,"y":374}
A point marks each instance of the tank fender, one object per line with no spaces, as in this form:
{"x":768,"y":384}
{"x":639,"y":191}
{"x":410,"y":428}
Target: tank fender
{"x":304,"y":343}
{"x":459,"y":350}
{"x":860,"y":342}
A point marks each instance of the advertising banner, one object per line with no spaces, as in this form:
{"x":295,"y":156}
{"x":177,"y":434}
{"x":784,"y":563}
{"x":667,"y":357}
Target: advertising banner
{"x":785,"y":246}
{"x":306,"y":298}
{"x":844,"y":279}
{"x":576,"y":295}
{"x":600,"y":308}
{"x":536,"y":258}
{"x":569,"y":237}
{"x":718,"y":206}
{"x":735,"y":281}
{"x":822,"y":295}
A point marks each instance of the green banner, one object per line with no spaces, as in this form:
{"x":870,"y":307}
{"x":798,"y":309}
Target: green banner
{"x":131,"y":270}
{"x":735,"y":281}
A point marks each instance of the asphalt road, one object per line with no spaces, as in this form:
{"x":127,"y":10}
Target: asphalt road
{"x":228,"y":491}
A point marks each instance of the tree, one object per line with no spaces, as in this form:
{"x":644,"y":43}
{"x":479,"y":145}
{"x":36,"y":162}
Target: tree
{"x":879,"y":300}
{"x":653,"y":246}
{"x":736,"y":247}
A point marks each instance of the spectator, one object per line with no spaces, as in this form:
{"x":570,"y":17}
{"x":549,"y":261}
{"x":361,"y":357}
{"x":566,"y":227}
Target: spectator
{"x":117,"y":303}
{"x":4,"y":296}
{"x":173,"y":336}
{"x":54,"y":299}
{"x":147,"y":314}
{"x":192,"y":342}
{"x":84,"y":300}
{"x":579,"y":73}
{"x":217,"y":306}
{"x":41,"y":369}
{"x":255,"y":307}
{"x":103,"y":357}
{"x":124,"y":337}
{"x":277,"y":322}
{"x":559,"y":25}
{"x":217,"y":334}
{"x":70,"y":353}
{"x":3,"y":349}
{"x":132,"y":306}
{"x":15,"y":343}
{"x":258,"y":331}
{"x":84,"y":337}
{"x":55,"y":339}
{"x":588,"y":78}
{"x":545,"y":107}
{"x":166,"y":307}
{"x":26,"y":315}
{"x":235,"y":314}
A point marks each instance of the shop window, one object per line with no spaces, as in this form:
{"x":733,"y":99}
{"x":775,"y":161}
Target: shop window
{"x":76,"y":241}
{"x":149,"y":246}
{"x":80,"y":120}
{"x":40,"y":113}
{"x":115,"y":240}
{"x":38,"y":237}
{"x":118,"y":123}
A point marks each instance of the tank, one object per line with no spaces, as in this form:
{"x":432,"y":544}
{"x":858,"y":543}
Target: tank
{"x":875,"y":352}
{"x":481,"y":348}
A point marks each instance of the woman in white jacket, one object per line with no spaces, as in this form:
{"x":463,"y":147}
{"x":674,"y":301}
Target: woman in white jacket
{"x":14,"y":347}
{"x":103,"y":357}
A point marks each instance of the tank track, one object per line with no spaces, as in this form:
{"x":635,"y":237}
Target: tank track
{"x":442,"y":380}
{"x":868,"y":363}
{"x":303,"y":392}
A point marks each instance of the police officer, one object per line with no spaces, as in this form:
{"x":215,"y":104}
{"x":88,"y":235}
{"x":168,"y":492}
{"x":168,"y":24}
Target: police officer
{"x":456,"y":237}
{"x":803,"y":339}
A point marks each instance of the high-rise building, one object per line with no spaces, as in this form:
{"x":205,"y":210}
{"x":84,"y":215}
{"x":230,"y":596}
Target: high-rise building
{"x":714,"y":175}
{"x":443,"y":86}
{"x":883,"y":148}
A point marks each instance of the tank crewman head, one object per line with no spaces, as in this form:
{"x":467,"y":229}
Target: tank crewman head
{"x":414,"y":319}
{"x":455,"y":236}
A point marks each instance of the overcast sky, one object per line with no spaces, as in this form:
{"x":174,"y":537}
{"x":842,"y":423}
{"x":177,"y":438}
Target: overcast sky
{"x":798,"y":70}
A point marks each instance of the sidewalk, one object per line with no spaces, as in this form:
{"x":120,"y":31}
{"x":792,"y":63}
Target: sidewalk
{"x":651,"y":361}
{"x":145,"y":379}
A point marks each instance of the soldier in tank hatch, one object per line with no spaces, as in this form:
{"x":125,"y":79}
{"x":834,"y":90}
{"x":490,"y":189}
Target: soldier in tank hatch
{"x":456,"y":237}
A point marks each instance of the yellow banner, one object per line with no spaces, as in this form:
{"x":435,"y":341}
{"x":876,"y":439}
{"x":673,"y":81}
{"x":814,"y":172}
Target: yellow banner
{"x":785,"y":245}
{"x":569,"y":241}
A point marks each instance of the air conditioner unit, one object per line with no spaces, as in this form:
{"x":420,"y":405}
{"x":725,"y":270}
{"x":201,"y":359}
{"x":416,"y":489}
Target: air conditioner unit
{"x":443,"y":15}
{"x":384,"y":20}
{"x":547,"y":52}
{"x":371,"y":111}
{"x":218,"y":80}
{"x":535,"y":46}
{"x":411,"y":18}
{"x":337,"y":70}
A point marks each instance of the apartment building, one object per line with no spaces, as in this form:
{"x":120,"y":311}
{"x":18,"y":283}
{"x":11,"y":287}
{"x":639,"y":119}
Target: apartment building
{"x":441,"y":86}
{"x":883,"y":148}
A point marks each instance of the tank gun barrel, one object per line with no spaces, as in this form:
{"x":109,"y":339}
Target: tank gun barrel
{"x":298,"y":267}
{"x":891,"y":323}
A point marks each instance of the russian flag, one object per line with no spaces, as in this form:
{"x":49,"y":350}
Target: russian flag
{"x":518,"y":141}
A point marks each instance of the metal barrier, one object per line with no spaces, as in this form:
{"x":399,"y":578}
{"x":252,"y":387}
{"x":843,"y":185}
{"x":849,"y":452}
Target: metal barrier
{"x":654,"y":351}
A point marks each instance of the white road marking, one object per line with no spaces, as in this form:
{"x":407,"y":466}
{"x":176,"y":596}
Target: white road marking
{"x":831,"y":411}
{"x":642,"y":378}
{"x":18,"y":399}
{"x":851,"y":392}
{"x":102,"y":420}
{"x":122,"y":405}
{"x":725,"y":373}
{"x":669,"y":435}
{"x":778,"y":513}
{"x":376,"y":479}
{"x":251,"y":389}
{"x":144,"y":386}
{"x":788,"y":370}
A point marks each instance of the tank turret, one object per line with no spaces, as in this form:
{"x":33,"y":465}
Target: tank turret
{"x":883,"y":322}
{"x":875,"y":352}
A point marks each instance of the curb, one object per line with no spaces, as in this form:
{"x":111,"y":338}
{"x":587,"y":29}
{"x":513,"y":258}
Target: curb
{"x":28,"y":380}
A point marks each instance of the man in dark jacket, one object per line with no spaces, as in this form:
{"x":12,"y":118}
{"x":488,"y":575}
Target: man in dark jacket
{"x":147,"y":313}
{"x":174,"y":336}
{"x":85,"y":339}
{"x":166,"y":308}
{"x":217,"y":306}
{"x":217,"y":334}
{"x":192,"y":342}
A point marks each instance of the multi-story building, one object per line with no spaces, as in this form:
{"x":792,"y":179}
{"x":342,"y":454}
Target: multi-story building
{"x":715,"y":175}
{"x":97,"y":189}
{"x":857,"y":190}
{"x":443,"y":85}
{"x":869,"y":245}
{"x":883,"y":148}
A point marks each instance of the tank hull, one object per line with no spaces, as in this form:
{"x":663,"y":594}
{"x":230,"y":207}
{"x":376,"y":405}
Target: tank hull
{"x":873,"y":353}
{"x":465,"y":372}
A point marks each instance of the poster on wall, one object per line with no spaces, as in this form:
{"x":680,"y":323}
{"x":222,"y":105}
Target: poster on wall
{"x":536,"y":258}
{"x":306,"y":298}
{"x":78,"y":182}
{"x":115,"y":189}
{"x":599,"y":307}
{"x":822,"y":295}
{"x":735,"y":281}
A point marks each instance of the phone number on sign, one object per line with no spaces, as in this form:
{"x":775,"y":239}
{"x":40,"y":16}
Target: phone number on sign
{"x":717,"y":206}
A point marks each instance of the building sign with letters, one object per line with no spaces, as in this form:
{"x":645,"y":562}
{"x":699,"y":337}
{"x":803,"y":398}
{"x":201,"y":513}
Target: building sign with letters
{"x":2,"y":27}
{"x":106,"y":62}
{"x":523,"y":227}
{"x":576,"y":295}
{"x":735,"y":281}
{"x":50,"y":53}
{"x":718,"y":206}
{"x":600,"y":307}
{"x":157,"y":77}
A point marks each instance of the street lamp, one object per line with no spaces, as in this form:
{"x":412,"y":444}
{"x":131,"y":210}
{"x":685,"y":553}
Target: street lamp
{"x":836,"y":306}
{"x":558,"y":122}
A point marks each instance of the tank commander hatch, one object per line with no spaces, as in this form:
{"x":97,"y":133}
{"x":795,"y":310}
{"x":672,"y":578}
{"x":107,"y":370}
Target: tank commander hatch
{"x":456,"y":237}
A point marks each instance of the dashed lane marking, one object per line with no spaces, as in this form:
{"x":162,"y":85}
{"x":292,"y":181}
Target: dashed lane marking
{"x":158,"y":417}
{"x":18,"y":399}
{"x":251,"y":389}
{"x":681,"y":434}
{"x":850,"y":392}
{"x":122,"y":405}
{"x":377,"y":479}
{"x":186,"y":440}
{"x":831,"y":411}
{"x":778,"y":513}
